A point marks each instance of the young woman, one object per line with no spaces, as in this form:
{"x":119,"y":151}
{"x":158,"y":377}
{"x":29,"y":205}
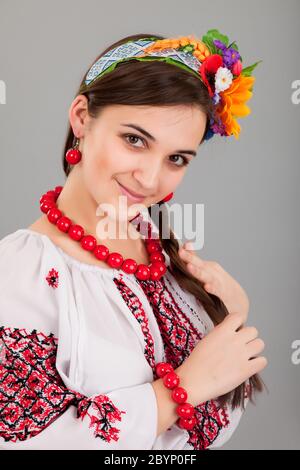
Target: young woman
{"x":110,"y":342}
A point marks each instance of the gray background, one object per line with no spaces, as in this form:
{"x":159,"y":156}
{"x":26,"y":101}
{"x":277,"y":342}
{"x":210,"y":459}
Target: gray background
{"x":249,"y":187}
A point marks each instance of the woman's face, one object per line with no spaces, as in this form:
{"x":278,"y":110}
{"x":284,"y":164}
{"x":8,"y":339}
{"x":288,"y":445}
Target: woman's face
{"x":115,"y":153}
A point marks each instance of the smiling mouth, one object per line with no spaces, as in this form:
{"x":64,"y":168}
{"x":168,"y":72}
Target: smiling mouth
{"x":132,"y":195}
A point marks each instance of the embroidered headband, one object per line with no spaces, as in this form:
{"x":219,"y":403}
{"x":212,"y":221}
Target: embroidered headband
{"x":212,"y":59}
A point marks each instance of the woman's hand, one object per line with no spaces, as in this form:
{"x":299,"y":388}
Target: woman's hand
{"x":227,"y":356}
{"x":216,"y":281}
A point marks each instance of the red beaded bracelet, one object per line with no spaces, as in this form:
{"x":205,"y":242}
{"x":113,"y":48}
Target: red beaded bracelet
{"x":171,"y":380}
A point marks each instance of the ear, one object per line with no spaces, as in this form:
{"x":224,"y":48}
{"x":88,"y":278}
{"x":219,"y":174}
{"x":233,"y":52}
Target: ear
{"x":78,"y":115}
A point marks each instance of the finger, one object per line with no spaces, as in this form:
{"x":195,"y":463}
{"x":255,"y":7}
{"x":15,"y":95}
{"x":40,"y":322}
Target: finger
{"x":256,"y":365}
{"x":212,"y":289}
{"x":200,"y":273}
{"x":234,"y":320}
{"x":190,"y":257}
{"x":255,"y":347}
{"x":248,"y":333}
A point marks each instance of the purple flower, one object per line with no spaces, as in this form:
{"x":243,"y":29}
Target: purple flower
{"x":230,"y":57}
{"x":219,"y":44}
{"x":218,"y":128}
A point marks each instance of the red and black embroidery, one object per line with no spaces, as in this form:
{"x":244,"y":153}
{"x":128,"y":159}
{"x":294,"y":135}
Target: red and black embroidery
{"x":193,"y":311}
{"x":52,"y":278}
{"x":33,"y":395}
{"x":137,"y":309}
{"x":179,"y":337}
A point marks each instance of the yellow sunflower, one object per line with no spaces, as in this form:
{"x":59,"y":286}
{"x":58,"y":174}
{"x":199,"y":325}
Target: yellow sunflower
{"x":232,"y":104}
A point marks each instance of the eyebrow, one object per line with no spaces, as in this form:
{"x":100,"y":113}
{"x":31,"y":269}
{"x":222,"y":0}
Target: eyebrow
{"x":146,"y":133}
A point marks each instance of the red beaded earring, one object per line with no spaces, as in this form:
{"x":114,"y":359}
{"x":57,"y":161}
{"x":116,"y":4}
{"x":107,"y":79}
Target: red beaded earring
{"x":73,"y":155}
{"x":168,"y":197}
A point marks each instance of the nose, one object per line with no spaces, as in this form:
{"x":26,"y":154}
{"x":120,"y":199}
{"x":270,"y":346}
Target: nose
{"x":148,"y":174}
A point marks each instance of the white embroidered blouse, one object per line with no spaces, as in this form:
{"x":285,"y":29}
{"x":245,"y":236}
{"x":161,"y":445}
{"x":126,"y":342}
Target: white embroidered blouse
{"x":78,"y":348}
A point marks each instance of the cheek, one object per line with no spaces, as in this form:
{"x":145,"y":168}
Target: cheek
{"x":171,"y":181}
{"x":103,"y":161}
{"x":114,"y":158}
{"x":98,"y":162}
{"x":121,"y":158}
{"x":95,"y":169}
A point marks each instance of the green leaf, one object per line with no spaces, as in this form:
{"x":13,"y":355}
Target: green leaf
{"x":248,"y":70}
{"x":234,"y":46}
{"x":215,"y":34}
{"x":208,"y":41}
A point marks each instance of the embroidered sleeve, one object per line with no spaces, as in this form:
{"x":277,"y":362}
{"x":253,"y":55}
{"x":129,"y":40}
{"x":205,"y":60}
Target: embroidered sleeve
{"x":214,"y":427}
{"x":215,"y":424}
{"x":33,"y":399}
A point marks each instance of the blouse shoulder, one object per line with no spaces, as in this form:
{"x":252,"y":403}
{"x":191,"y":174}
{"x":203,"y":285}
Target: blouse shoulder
{"x":29,"y":276}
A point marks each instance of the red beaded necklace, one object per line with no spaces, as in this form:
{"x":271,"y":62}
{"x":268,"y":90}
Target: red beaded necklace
{"x":153,"y":271}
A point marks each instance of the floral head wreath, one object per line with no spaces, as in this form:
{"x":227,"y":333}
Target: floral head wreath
{"x":212,"y":59}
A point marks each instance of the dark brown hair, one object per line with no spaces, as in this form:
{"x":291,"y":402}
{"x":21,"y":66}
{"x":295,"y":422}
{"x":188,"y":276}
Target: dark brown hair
{"x":157,"y":83}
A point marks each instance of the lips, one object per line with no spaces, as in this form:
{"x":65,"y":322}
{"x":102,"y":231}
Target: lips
{"x":131,"y":194}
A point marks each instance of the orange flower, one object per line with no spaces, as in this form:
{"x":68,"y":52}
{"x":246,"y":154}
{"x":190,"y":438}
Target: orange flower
{"x":232,"y":104}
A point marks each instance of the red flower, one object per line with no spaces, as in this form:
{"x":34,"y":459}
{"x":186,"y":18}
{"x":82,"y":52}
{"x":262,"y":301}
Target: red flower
{"x":208,"y":70}
{"x":237,"y":68}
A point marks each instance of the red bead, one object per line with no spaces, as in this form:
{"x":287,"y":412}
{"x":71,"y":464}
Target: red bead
{"x":46,"y":206}
{"x":54,"y":215}
{"x":153,"y":246}
{"x":63,"y":224}
{"x":155,"y":273}
{"x":73,"y":156}
{"x":58,"y":190}
{"x":160,"y":266}
{"x":88,"y":242}
{"x":129,"y":266}
{"x":185,"y":410}
{"x":51,"y":194}
{"x":187,"y":423}
{"x":157,"y":256}
{"x":76,"y":232}
{"x":115,"y":260}
{"x":101,"y":252}
{"x":162,"y":368}
{"x":171,"y":380}
{"x":143,"y":272}
{"x":179,"y":395}
{"x":46,"y":197}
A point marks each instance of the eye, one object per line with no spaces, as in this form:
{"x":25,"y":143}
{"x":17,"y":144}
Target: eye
{"x":133,"y":136}
{"x":185,"y":160}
